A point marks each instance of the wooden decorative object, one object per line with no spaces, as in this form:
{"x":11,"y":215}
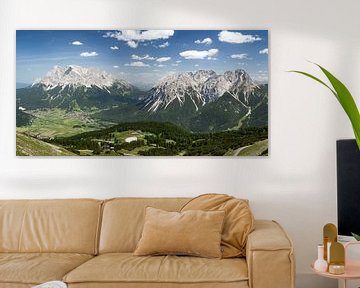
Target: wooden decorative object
{"x":330,"y":236}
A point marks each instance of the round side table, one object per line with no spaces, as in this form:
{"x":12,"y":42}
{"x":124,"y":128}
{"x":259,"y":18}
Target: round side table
{"x":352,"y":269}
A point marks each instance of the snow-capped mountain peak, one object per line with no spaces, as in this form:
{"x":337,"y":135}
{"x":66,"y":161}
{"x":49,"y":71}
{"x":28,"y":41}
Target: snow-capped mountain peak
{"x":201,"y":76}
{"x":174,"y":87}
{"x":86,"y":87}
{"x":76,"y":76}
{"x":202,"y":87}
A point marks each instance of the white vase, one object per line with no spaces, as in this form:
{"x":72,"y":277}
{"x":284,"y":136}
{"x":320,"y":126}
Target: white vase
{"x":320,"y":264}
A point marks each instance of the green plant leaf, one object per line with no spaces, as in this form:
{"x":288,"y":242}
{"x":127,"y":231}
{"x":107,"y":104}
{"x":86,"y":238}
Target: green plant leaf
{"x":356,"y":236}
{"x":344,"y":97}
{"x":357,"y":137}
{"x":316,"y":79}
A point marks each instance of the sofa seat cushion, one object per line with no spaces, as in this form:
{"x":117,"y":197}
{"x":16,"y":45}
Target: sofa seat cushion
{"x":36,"y":268}
{"x":127,"y":268}
{"x":15,"y":285}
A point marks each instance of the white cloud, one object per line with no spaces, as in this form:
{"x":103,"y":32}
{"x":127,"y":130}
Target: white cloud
{"x":77,"y":43}
{"x":145,"y":57}
{"x":114,"y":47}
{"x":116,"y":66}
{"x":163,"y":59}
{"x":146,"y":35}
{"x":196,"y":54}
{"x":237,"y":37}
{"x":137,"y":64}
{"x":160,"y":65}
{"x":88,"y":54}
{"x":240,"y":56}
{"x":264,"y":51}
{"x":175,"y":64}
{"x":178,"y":61}
{"x":206,"y":41}
{"x":132,"y":44}
{"x":133,"y":37}
{"x":196,"y":65}
{"x":164,"y":45}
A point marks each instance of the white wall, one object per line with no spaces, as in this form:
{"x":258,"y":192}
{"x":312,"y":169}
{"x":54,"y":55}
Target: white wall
{"x":295,"y":185}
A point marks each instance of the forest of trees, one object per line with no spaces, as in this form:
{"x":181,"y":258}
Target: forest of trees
{"x":163,"y":139}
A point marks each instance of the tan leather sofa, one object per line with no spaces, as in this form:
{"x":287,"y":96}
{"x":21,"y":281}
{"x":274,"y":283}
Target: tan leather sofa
{"x":89,"y":243}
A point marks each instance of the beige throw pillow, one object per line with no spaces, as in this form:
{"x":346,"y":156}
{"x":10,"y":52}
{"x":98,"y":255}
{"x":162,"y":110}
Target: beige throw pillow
{"x":194,"y":232}
{"x":239,"y":220}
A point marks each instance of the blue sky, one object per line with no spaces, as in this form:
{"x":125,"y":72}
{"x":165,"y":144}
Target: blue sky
{"x":142,"y":56}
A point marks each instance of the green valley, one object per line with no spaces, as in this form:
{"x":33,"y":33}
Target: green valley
{"x":49,"y":123}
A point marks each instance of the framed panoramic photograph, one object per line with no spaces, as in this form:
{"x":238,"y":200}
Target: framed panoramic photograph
{"x":142,"y":93}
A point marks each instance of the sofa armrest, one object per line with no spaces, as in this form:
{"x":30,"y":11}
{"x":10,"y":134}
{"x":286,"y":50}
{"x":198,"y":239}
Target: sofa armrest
{"x":269,"y":255}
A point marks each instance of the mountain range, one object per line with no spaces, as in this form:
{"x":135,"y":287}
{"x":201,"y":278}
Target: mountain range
{"x":202,"y":87}
{"x":61,"y":87}
{"x":200,"y":101}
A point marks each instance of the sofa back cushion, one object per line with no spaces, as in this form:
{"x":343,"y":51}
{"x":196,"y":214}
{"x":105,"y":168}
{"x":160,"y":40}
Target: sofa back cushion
{"x":64,"y":226}
{"x":238,"y":224}
{"x":193,"y":233}
{"x":123,"y":220}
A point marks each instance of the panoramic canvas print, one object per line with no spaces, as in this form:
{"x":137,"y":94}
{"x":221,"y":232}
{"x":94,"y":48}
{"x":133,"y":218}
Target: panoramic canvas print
{"x":142,"y":93}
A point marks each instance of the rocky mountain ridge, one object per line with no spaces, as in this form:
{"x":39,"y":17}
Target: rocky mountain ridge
{"x":201,"y":87}
{"x":77,"y":76}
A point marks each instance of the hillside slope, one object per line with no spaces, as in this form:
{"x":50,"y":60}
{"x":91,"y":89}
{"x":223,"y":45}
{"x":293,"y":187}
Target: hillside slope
{"x":29,"y":146}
